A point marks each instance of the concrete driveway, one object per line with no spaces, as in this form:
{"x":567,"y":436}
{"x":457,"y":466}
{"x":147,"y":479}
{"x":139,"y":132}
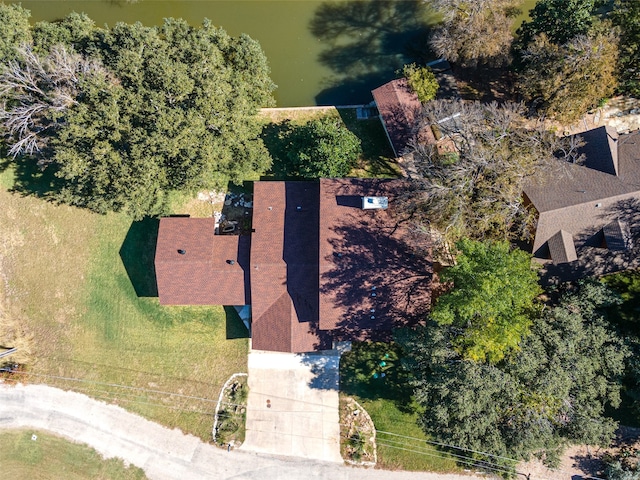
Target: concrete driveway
{"x":292,"y":408}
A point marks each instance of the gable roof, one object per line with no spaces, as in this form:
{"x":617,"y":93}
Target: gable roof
{"x":584,"y":201}
{"x":284,"y":267}
{"x":615,"y":235}
{"x":373,"y":274}
{"x":398,"y":106}
{"x":601,"y":149}
{"x":562,"y":248}
{"x":196,"y":267}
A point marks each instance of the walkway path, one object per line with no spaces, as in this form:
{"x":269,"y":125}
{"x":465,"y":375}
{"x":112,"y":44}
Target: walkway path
{"x":163,"y":453}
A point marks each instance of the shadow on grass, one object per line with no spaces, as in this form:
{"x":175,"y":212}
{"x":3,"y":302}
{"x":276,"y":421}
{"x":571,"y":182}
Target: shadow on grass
{"x":373,"y":370}
{"x":274,"y":137}
{"x":235,"y":327}
{"x":31,"y":179}
{"x":138,"y":253}
{"x":377,"y":158}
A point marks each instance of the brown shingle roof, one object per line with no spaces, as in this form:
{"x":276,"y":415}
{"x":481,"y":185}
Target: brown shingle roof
{"x":213,"y":270}
{"x":284,"y":267}
{"x":318,"y":263}
{"x":371,"y":276}
{"x":601,"y":149}
{"x":398,"y":106}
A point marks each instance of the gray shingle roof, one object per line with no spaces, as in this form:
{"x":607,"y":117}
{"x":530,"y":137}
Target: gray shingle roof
{"x":583,"y":201}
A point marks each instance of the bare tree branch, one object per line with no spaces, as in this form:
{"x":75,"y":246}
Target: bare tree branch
{"x":35,"y":91}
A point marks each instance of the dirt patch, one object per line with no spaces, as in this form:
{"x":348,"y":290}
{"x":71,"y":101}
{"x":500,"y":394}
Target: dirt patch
{"x":583,"y":461}
{"x":486,"y":84}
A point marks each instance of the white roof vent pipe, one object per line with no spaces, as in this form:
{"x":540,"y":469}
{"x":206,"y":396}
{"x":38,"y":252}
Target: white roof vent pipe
{"x":374,"y":203}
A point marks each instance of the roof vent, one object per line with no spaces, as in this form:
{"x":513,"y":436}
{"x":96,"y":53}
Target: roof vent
{"x":371,"y":203}
{"x":231,"y":262}
{"x":270,"y":208}
{"x":598,"y":205}
{"x":181,"y":251}
{"x":298,"y":208}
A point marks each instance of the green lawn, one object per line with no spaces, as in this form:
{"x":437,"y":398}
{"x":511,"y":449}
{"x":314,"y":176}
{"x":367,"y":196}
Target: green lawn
{"x":50,"y":457}
{"x":372,"y":374}
{"x":377,"y":158}
{"x":83,"y":287}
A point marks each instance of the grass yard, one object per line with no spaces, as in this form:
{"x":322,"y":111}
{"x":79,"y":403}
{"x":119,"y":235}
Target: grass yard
{"x":84,"y":288}
{"x":51,"y":457}
{"x":372,"y":374}
{"x":377,"y":156}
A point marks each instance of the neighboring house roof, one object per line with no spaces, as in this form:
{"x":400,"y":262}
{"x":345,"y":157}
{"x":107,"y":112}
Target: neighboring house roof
{"x":196,"y":267}
{"x":588,"y":206}
{"x":398,"y":106}
{"x":562,"y":248}
{"x":373,"y":274}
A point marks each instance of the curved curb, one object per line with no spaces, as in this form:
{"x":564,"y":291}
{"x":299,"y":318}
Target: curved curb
{"x":373,"y":440}
{"x":224,"y":387}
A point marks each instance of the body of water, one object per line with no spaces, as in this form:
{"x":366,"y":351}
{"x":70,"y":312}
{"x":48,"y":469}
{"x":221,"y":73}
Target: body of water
{"x":320,"y":52}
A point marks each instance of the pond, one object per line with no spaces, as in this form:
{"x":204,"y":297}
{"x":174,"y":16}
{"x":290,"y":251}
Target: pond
{"x":320,"y":52}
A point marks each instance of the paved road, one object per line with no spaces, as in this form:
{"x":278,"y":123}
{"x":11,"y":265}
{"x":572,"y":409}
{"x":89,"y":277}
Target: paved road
{"x":163,"y":453}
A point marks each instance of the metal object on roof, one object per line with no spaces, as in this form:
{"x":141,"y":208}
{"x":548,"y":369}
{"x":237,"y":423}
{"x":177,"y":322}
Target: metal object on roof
{"x":375,"y":203}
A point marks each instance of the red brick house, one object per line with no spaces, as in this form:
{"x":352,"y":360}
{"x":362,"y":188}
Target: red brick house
{"x":317,"y":267}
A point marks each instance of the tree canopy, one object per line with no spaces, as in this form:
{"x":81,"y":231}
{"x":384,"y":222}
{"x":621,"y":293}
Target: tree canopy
{"x":565,"y":81}
{"x":15,"y":30}
{"x":474,"y":32}
{"x":566,"y":58}
{"x":144,"y":110}
{"x":422,"y":81}
{"x":492,"y":300}
{"x":626,"y":14}
{"x":473,"y":187}
{"x":552,"y":391}
{"x":559,"y":20}
{"x":322,"y":147}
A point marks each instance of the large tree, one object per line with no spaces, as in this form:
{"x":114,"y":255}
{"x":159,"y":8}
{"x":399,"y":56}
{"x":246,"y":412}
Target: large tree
{"x":492,"y":300}
{"x":15,"y":30}
{"x":565,"y":81}
{"x":551,"y":392}
{"x":626,"y":14}
{"x":473,"y":188}
{"x":170,"y":108}
{"x":559,"y":20}
{"x":322,"y":147}
{"x":474,"y":32}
